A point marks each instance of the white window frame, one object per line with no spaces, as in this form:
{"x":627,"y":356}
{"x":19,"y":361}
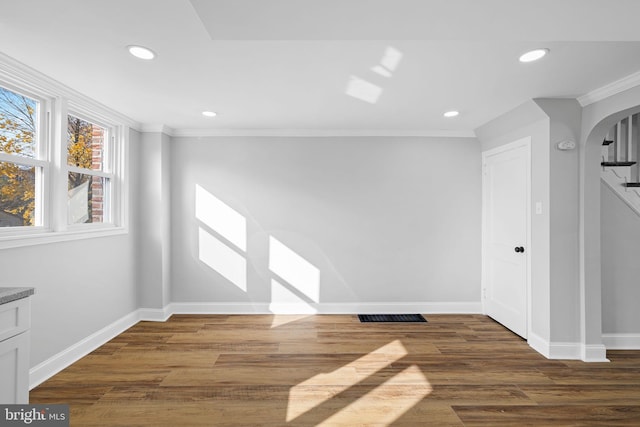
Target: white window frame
{"x":40,"y":162}
{"x":109,"y":172}
{"x":56,"y":102}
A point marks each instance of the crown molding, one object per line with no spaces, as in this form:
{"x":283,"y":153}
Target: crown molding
{"x":157,"y":128}
{"x":17,"y":74}
{"x":610,"y":89}
{"x":322,"y":133}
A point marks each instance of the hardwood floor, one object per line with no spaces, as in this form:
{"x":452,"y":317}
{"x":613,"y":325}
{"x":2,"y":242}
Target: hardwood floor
{"x":259,"y":370}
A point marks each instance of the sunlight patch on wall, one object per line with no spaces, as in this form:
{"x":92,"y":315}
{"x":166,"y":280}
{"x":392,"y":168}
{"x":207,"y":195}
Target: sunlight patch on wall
{"x":285,"y":301}
{"x":295,"y":270}
{"x":303,"y":397}
{"x":223,"y":259}
{"x":221,"y":218}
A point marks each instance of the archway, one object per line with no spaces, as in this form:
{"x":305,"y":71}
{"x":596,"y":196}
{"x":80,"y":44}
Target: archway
{"x":596,"y":123}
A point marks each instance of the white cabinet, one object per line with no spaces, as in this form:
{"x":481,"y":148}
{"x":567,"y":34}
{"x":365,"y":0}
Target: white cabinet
{"x":15,"y":319}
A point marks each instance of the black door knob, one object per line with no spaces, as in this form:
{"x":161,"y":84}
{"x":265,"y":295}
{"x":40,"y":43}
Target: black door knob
{"x":519,"y":249}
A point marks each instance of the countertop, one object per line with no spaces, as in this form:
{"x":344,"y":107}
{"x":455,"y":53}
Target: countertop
{"x":12,"y":294}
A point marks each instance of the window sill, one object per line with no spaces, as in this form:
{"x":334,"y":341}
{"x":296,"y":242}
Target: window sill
{"x":46,"y":237}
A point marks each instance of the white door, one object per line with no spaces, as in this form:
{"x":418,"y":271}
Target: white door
{"x":506,"y":195}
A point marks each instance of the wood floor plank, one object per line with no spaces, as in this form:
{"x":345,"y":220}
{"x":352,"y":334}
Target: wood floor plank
{"x":237,"y":347}
{"x":592,"y":375}
{"x":156,"y":360}
{"x":317,"y":361}
{"x":549,"y":415}
{"x":281,"y":370}
{"x":483,"y":394}
{"x":251,"y":335}
{"x":195,"y":393}
{"x":603,"y":394}
{"x":356,"y":347}
{"x":53,"y":392}
{"x":145,"y":413}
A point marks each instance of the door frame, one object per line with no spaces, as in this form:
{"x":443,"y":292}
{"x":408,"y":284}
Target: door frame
{"x":526,"y":143}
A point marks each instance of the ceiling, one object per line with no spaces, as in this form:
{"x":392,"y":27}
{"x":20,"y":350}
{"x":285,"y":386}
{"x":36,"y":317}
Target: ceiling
{"x":325,"y":65}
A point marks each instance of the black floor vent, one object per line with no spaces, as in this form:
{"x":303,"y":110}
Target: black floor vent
{"x":391,"y":318}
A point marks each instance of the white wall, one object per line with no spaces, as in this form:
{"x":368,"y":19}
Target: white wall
{"x":620,"y":238}
{"x":152,"y":222}
{"x":565,"y":116}
{"x":383,"y":220}
{"x":81,"y":287}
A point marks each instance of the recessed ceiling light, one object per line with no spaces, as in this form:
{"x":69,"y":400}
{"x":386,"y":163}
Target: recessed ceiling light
{"x":209,"y":113}
{"x":533,"y":55}
{"x":141,"y":52}
{"x":451,"y":113}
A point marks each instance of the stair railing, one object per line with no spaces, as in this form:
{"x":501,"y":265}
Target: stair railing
{"x":622,"y":142}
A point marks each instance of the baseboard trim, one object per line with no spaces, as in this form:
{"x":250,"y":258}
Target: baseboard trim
{"x":567,"y":350}
{"x":218,"y":308}
{"x":155,"y":314}
{"x":554,"y":350}
{"x":621,"y":341}
{"x":594,"y":353}
{"x":45,"y":370}
{"x":325,"y":308}
{"x":564,"y":351}
{"x":539,"y":344}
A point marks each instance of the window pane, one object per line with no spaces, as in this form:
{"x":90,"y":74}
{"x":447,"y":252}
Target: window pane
{"x":17,"y":195}
{"x":86,"y":198}
{"x":85,"y":144}
{"x":17,"y":124}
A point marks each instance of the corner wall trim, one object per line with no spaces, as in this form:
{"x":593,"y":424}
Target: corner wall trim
{"x":539,"y":344}
{"x":593,"y":353}
{"x":157,"y":128}
{"x":564,"y":350}
{"x":154,"y":314}
{"x":567,"y":350}
{"x":45,"y":370}
{"x":621,"y":341}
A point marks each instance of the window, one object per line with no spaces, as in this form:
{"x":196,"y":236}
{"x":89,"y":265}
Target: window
{"x":61,"y":162}
{"x":89,"y":178}
{"x":21,"y":163}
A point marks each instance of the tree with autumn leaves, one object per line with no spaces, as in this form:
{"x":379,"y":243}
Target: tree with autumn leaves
{"x":81,"y":136}
{"x":17,"y":138}
{"x":17,"y":131}
{"x":79,"y":149}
